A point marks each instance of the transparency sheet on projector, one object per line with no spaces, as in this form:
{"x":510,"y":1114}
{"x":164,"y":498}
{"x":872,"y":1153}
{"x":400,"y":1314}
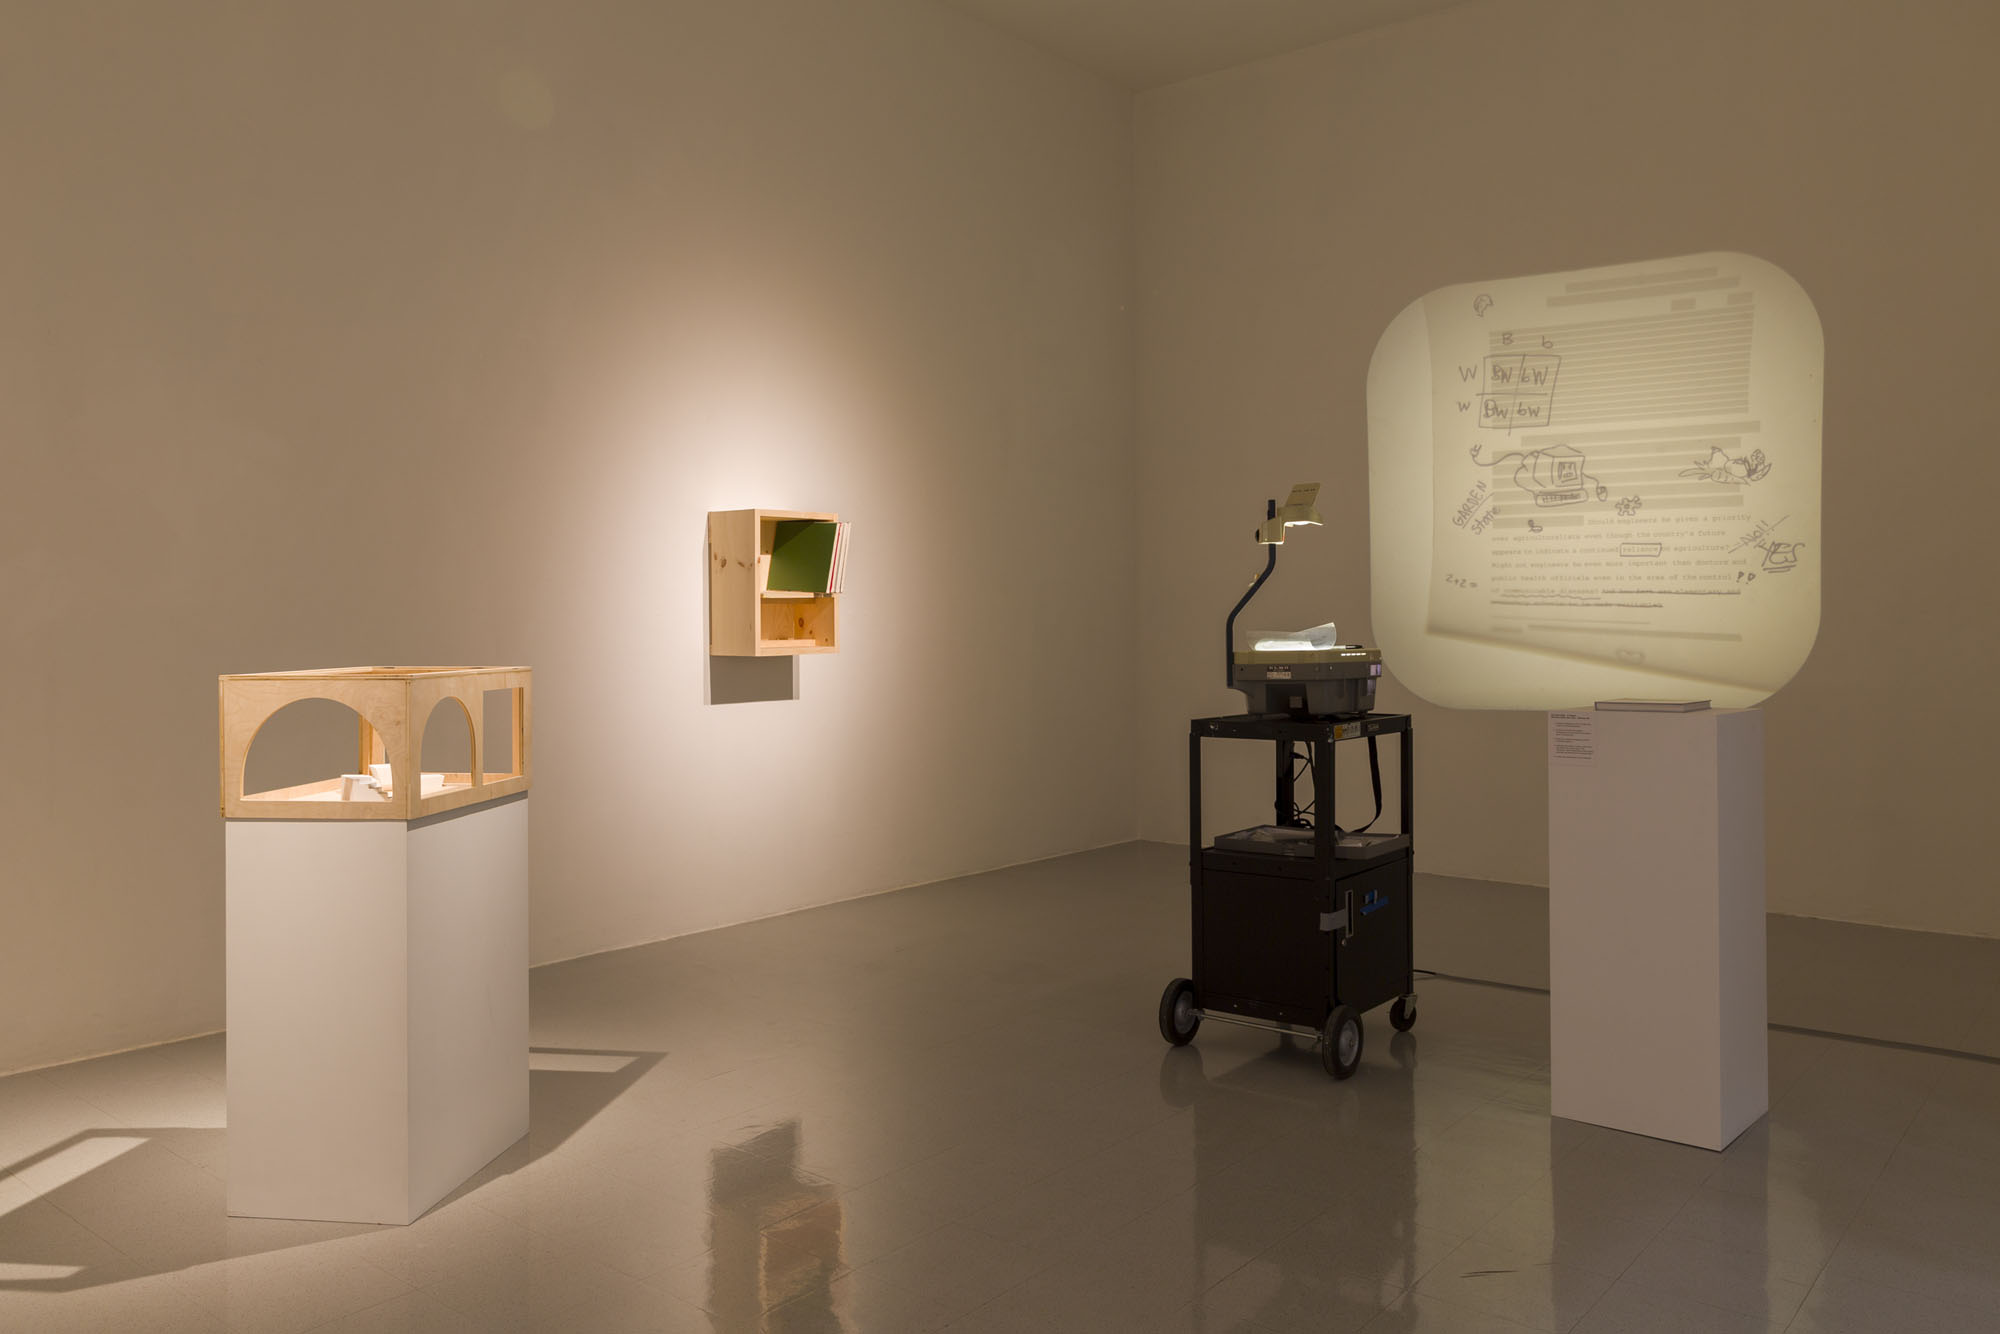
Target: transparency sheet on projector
{"x":1626,"y":466}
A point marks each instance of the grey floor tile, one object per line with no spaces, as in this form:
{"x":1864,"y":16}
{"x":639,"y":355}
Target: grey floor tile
{"x":955,"y":1267}
{"x":45,"y":1249}
{"x":839,"y":1120}
{"x":1744,"y":1282}
{"x":408,"y":1313}
{"x":1956,"y":1220}
{"x":1288,"y":1297}
{"x":1545,"y":1226}
{"x":1195,"y":1318}
{"x":1936,"y":1267}
{"x":852,"y":1303}
{"x":1841,"y":1303}
{"x":639,"y":1308}
{"x":286,"y":1291}
{"x":451,"y":1237}
{"x":1793,"y":1055}
{"x":1963,"y":1128}
{"x":1058,"y":1214}
{"x":1820,"y":1163}
{"x":1368,"y":1243}
{"x":1628,"y":1308}
{"x":1940,"y":1172}
{"x":1594,"y":1190}
{"x":1782,"y":1224}
{"x":1099,"y":1290}
{"x":1526,"y":1289}
{"x":154,"y":1304}
{"x":529,"y":1290}
{"x":38,"y":1115}
{"x":1861,"y":1090}
{"x":1420,"y":1313}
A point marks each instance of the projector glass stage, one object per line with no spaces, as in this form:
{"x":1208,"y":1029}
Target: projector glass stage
{"x":1598,"y":483}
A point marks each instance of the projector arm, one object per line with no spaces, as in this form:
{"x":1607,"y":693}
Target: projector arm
{"x":1229,"y":626}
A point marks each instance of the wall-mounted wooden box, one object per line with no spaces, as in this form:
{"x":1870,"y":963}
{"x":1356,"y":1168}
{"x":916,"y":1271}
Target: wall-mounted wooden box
{"x":748,"y":620}
{"x":394,"y":705}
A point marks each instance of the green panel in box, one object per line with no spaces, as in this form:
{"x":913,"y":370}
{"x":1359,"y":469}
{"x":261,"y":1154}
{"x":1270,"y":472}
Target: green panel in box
{"x":801,"y":556}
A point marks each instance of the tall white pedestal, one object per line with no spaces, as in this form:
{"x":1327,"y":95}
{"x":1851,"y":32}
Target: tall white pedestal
{"x":378,"y":1009}
{"x":1657,"y":1009}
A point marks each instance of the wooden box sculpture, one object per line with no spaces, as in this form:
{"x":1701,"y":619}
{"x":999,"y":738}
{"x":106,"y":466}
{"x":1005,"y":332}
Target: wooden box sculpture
{"x":753,"y":611}
{"x":395,"y":705}
{"x":378,"y":950}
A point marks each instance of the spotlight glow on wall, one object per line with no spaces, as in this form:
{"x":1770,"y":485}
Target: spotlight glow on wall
{"x":1595,"y":483}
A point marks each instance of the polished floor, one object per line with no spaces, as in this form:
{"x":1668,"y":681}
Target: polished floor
{"x":949,"y":1109}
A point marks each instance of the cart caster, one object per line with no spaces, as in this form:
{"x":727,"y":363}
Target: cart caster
{"x":1178,"y":1020}
{"x":1403,"y":1014}
{"x":1340,"y":1042}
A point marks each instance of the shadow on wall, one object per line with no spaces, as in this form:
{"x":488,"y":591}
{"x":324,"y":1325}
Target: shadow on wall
{"x":156,"y":1194}
{"x":752,"y":680}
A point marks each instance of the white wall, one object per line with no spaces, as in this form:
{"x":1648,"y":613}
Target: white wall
{"x":430,"y":332}
{"x":1287,"y":210}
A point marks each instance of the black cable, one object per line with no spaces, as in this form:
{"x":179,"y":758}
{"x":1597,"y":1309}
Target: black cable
{"x":1299,"y":817}
{"x":1375,"y":781}
{"x":1300,"y":813}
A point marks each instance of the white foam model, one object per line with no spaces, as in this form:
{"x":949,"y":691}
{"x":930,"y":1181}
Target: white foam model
{"x":1657,"y":1010}
{"x":378,"y":1009}
{"x":1598,"y":483}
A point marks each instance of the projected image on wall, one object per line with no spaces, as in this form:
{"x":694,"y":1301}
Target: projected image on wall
{"x":1598,"y":483}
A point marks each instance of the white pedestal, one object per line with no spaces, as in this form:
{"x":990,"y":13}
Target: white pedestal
{"x":1657,"y":1007}
{"x":378,"y":1009}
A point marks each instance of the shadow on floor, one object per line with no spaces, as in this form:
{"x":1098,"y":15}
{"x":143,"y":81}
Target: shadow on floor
{"x":106,"y":1205}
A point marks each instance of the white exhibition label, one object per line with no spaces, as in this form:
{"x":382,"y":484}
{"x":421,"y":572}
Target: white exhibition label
{"x":1572,"y":738}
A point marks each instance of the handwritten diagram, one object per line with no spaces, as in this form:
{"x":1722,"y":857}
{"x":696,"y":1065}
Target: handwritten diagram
{"x":1553,"y":476}
{"x":1518,"y":389}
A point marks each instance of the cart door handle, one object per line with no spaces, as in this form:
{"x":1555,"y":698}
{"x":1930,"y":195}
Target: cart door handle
{"x":1334,"y":921}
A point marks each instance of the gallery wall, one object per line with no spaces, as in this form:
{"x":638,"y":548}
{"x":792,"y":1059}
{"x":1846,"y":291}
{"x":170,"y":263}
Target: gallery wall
{"x":430,"y":333}
{"x":1288,"y":210}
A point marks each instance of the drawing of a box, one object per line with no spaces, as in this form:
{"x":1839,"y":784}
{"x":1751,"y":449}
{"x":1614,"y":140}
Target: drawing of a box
{"x":1553,"y":476}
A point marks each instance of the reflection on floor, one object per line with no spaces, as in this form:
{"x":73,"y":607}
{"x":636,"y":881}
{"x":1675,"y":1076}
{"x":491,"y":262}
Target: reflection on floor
{"x":949,"y":1109}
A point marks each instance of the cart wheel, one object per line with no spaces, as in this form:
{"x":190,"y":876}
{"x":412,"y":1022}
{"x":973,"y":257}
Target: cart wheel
{"x":1178,"y":1021}
{"x":1340,"y":1042}
{"x":1403,"y":1014}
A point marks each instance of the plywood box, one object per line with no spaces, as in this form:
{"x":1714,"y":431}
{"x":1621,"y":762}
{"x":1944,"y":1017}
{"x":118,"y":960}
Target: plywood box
{"x":746,"y":619}
{"x":394,"y":706}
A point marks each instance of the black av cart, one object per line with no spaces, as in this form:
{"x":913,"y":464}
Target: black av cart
{"x":1299,"y":927}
